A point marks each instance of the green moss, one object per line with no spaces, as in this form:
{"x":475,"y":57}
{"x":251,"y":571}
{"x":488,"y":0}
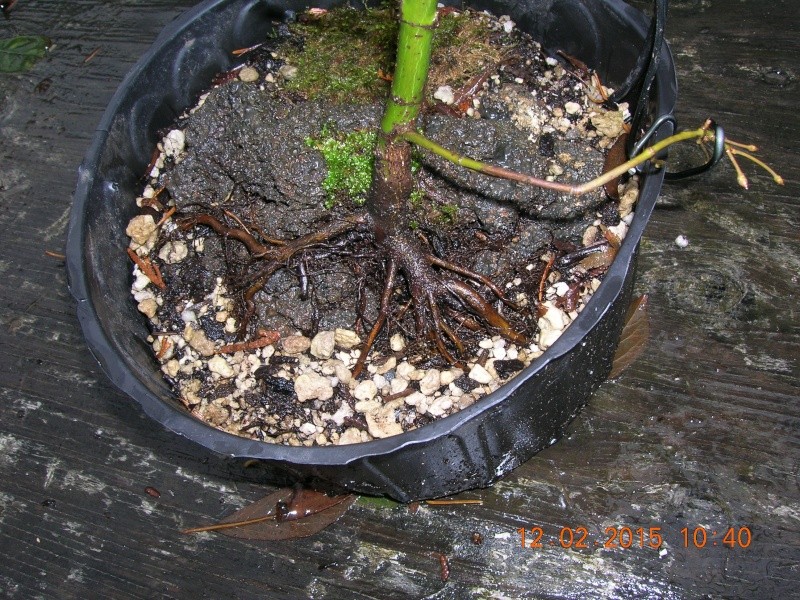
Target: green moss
{"x":447,"y":30}
{"x":349,"y":158}
{"x":449,"y":212}
{"x":416,"y":198}
{"x":464,"y":45}
{"x":342,"y":53}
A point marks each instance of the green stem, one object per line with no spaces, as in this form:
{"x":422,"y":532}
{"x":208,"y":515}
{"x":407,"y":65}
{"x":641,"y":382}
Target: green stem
{"x":417,"y":21}
{"x":470,"y":163}
{"x":575,"y":190}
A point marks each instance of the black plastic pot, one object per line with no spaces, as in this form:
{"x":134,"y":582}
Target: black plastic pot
{"x":470,"y":449}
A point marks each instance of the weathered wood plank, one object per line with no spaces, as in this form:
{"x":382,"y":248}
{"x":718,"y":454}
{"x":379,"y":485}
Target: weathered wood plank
{"x":701,"y":430}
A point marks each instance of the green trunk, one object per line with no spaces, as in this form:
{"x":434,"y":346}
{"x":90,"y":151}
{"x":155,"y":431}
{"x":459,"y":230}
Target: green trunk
{"x":417,"y":20}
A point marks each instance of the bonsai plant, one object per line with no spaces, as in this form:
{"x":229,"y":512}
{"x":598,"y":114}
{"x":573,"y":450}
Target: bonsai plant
{"x":443,"y":294}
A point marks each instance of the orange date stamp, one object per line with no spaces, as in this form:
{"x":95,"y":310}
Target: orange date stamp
{"x":625,"y":537}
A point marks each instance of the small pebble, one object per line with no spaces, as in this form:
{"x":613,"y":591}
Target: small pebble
{"x":174,"y":143}
{"x":430,"y":382}
{"x":448,"y":377}
{"x":346,"y":338}
{"x":248,"y":74}
{"x":295,"y":344}
{"x":148,"y":307}
{"x":350,"y":436}
{"x":308,"y":429}
{"x":398,"y":384}
{"x":173,"y":252}
{"x":311,"y":386}
{"x":342,"y":373}
{"x":220,"y":366}
{"x":397,"y":342}
{"x":404,"y":369}
{"x":479,"y":374}
{"x":197,"y":340}
{"x":288,"y":71}
{"x":365,"y":390}
{"x":382,"y":423}
{"x":444,"y":94}
{"x":440,"y":406}
{"x":389,"y":365}
{"x":142,"y":230}
{"x":322,"y":345}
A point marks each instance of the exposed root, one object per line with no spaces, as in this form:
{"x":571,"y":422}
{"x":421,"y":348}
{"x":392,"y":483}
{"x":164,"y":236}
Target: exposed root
{"x":445,"y":297}
{"x":391,"y":273}
{"x":441,"y":303}
{"x":274,"y":254}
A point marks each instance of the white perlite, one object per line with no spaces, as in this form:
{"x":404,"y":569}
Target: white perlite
{"x":197,"y":340}
{"x":479,"y":374}
{"x":220,"y":366}
{"x":312,"y":386}
{"x":174,"y":143}
{"x":444,"y":94}
{"x":322,"y":345}
{"x":142,"y":231}
{"x":382,"y":422}
{"x":173,"y":252}
{"x":397,"y":342}
{"x":430,"y":383}
{"x":148,"y":307}
{"x":366,"y":390}
{"x":346,"y":338}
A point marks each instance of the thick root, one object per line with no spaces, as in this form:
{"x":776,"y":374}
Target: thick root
{"x":273,"y":254}
{"x":437,"y":296}
{"x":443,"y":297}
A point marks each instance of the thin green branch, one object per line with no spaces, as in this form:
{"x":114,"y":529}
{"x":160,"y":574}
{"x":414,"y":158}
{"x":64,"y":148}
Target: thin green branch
{"x":702,"y":134}
{"x":420,"y":140}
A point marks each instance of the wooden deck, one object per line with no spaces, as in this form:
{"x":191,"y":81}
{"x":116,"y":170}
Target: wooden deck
{"x":702,"y":431}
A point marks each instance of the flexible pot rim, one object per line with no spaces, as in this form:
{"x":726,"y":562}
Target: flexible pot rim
{"x":177,"y":419}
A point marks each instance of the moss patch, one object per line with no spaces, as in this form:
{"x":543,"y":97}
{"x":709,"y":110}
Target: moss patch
{"x":349,"y":158}
{"x":348,"y":55}
{"x":342,"y":53}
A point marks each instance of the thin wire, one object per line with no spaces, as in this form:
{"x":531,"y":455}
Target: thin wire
{"x":716,"y":155}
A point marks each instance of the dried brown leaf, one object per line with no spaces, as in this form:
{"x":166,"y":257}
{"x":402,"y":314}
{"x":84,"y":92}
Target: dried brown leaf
{"x":633,"y":339}
{"x":615,"y":157}
{"x":286,"y":514}
{"x":599,"y":260}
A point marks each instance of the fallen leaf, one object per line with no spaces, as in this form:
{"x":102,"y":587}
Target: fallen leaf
{"x":20,"y":53}
{"x":286,"y":514}
{"x":615,"y":157}
{"x":633,"y":339}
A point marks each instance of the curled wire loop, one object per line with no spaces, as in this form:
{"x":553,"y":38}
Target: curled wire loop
{"x":716,"y":154}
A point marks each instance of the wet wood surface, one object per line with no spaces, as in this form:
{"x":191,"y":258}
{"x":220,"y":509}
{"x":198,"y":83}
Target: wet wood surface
{"x":702,"y":430}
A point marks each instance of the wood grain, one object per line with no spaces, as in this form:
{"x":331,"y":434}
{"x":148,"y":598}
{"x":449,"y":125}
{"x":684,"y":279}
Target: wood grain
{"x":701,"y":430}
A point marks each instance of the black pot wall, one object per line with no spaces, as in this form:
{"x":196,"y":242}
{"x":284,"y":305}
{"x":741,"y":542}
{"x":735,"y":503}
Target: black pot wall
{"x":472,"y":448}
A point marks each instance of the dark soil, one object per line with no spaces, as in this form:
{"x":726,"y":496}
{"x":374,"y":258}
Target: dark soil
{"x":248,"y":164}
